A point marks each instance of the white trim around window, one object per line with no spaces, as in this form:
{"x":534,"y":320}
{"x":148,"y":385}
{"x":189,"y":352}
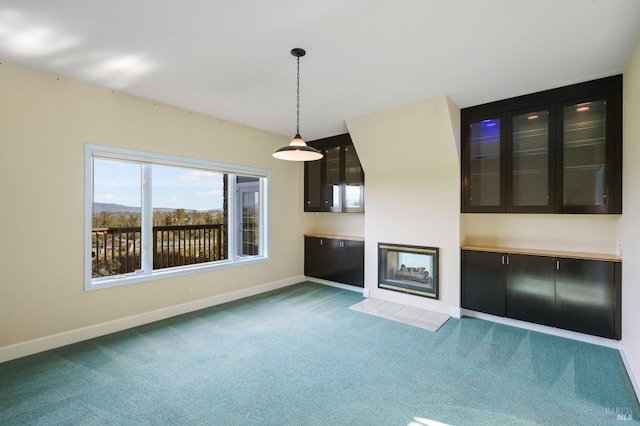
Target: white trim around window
{"x":145,"y":238}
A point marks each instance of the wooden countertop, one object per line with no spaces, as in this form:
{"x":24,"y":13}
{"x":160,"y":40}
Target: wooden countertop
{"x":550,"y":253}
{"x":334,"y":237}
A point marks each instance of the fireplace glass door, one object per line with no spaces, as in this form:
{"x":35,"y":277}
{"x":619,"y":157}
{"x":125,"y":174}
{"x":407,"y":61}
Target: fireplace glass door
{"x":408,"y":269}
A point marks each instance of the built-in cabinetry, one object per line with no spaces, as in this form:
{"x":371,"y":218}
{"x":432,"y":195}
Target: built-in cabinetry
{"x":573,"y":291}
{"x":557,"y":151}
{"x":334,"y":183}
{"x":334,"y":258}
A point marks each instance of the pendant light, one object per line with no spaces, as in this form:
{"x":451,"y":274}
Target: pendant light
{"x":297,"y":150}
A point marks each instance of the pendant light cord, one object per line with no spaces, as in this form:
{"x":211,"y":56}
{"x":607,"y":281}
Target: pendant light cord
{"x":298,"y":101}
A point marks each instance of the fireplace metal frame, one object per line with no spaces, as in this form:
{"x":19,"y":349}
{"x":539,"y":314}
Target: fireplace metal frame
{"x":406,"y":286}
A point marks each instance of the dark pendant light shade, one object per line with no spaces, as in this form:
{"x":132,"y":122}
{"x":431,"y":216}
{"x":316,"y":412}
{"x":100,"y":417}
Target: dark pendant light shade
{"x":297,"y":150}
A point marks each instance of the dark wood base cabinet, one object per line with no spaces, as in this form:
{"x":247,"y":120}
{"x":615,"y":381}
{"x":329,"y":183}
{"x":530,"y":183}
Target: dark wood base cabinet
{"x":483,"y":282}
{"x":530,"y":288}
{"x":332,"y":259}
{"x":574,"y":294}
{"x":588,"y":297}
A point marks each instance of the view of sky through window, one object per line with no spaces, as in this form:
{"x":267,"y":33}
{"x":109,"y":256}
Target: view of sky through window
{"x":119,"y":182}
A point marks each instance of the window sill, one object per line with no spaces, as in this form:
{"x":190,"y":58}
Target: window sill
{"x":134,"y":278}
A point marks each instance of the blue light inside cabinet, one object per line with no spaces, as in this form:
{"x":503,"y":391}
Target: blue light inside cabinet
{"x":485,"y":131}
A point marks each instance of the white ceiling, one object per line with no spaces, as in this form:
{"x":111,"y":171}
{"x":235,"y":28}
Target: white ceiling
{"x":231,"y":59}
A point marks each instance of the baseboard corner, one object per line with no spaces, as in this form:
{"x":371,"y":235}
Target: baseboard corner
{"x":635,"y":380}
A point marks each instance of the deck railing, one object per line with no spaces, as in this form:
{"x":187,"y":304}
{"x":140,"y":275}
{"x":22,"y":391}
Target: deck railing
{"x":118,"y":250}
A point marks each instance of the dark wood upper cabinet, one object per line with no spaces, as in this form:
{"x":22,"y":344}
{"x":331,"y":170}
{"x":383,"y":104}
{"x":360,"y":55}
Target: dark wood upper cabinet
{"x":353,"y":181}
{"x":334,"y":183}
{"x":557,"y":151}
{"x":332,"y":191}
{"x":589,"y":165}
{"x":313,"y":186}
{"x":530,"y":177}
{"x":484,"y":178}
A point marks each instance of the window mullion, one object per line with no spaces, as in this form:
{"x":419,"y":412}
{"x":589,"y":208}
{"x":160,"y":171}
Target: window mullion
{"x":147,"y":220}
{"x":262,"y":217}
{"x":232,"y":222}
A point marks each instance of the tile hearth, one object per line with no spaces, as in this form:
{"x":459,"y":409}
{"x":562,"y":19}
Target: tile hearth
{"x":416,"y":317}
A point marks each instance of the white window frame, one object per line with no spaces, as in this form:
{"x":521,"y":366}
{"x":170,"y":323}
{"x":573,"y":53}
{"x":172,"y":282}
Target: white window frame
{"x":147,"y":273}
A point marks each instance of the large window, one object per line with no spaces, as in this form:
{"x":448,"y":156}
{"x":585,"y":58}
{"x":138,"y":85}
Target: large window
{"x":151,"y":216}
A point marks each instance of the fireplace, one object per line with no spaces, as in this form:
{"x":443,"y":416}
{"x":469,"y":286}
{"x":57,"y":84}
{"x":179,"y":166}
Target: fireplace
{"x":408,"y":269}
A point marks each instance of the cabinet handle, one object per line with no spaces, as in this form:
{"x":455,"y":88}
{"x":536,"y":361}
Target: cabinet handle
{"x":557,"y":265}
{"x":507,"y":260}
{"x":503,"y":259}
{"x":320,"y":241}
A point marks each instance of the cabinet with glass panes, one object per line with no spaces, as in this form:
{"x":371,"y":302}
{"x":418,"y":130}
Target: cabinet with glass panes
{"x":334,"y":183}
{"x":557,"y":151}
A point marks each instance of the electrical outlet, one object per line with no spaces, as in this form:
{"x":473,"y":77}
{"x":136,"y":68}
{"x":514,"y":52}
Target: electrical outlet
{"x":190,"y":289}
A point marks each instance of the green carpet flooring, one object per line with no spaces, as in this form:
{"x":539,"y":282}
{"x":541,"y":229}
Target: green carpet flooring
{"x":298,"y":356}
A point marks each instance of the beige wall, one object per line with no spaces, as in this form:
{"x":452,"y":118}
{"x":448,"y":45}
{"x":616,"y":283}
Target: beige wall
{"x":581,"y":233}
{"x":44,"y":123}
{"x":344,"y":224}
{"x":630,"y":222}
{"x":412,"y":190}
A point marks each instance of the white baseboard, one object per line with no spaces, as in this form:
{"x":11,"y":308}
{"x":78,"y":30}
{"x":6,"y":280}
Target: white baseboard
{"x":635,"y":381}
{"x":610,"y":343}
{"x":31,"y":347}
{"x":338,"y":285}
{"x":455,"y":312}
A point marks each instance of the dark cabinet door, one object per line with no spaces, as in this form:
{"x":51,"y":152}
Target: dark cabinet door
{"x":352,"y":257}
{"x":530,"y":161}
{"x":588,"y":156}
{"x":331,"y":259}
{"x":483,"y":282}
{"x":332,"y":253}
{"x":586,"y":297}
{"x":322,"y":258}
{"x":314,"y":264}
{"x":313,"y":186}
{"x":353,"y":182}
{"x":530,"y":289}
{"x":332,"y":192}
{"x":483,"y":155}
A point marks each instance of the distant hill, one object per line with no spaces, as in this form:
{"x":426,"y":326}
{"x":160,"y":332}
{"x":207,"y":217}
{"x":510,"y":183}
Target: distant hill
{"x":114,"y":208}
{"x":119,"y":208}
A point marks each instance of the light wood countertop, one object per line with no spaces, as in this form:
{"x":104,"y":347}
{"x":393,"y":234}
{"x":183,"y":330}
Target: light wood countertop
{"x":550,"y":253}
{"x":334,"y":237}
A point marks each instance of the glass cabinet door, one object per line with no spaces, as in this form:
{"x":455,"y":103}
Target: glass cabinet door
{"x":313,"y":186}
{"x":332,"y":181}
{"x":353,"y":181}
{"x":485,"y":165}
{"x":584,"y":154}
{"x":530,"y":189}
